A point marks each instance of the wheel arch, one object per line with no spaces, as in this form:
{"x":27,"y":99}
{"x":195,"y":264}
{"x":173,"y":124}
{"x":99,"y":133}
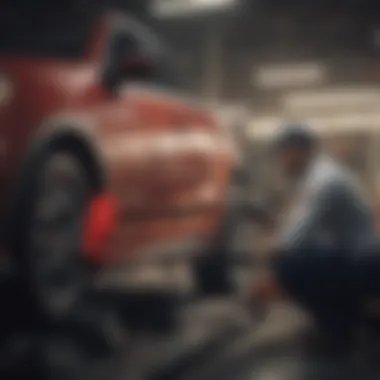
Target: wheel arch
{"x":79,"y":146}
{"x":64,"y":136}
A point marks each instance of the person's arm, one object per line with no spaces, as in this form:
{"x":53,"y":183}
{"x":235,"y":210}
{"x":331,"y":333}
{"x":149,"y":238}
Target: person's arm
{"x":259,"y":214}
{"x":307,"y":218}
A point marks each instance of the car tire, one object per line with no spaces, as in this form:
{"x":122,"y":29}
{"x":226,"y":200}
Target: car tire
{"x":55,"y":276}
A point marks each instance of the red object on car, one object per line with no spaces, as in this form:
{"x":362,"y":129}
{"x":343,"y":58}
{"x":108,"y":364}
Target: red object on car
{"x":100,"y":222}
{"x":155,"y":163}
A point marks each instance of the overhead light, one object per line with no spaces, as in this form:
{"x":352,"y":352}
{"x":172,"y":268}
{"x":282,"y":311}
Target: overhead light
{"x":288,"y":75}
{"x":328,"y":98}
{"x":178,"y":8}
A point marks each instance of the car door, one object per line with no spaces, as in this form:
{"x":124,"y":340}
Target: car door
{"x":145,"y":121}
{"x":177,"y":164}
{"x":180,"y":157}
{"x":202,"y":160}
{"x":154,"y":143}
{"x":172,"y":145}
{"x":160,"y":154}
{"x":183,"y":147}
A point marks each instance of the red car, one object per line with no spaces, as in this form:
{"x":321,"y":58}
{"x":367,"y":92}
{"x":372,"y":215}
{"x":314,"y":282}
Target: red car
{"x":111,"y":178}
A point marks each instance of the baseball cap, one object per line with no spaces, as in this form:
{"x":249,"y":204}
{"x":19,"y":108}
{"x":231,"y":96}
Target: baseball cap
{"x":298,"y":135}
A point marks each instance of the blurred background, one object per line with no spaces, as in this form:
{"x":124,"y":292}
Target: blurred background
{"x":260,"y":64}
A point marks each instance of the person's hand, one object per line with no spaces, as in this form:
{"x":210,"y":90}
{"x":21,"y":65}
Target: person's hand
{"x":269,"y":247}
{"x":273,"y":245}
{"x":265,"y":290}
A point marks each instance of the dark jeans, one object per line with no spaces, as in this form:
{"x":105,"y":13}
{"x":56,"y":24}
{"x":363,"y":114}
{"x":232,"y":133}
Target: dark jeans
{"x":324,"y":282}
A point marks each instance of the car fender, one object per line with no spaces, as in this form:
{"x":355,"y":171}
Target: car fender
{"x":53,"y":133}
{"x":80,"y":127}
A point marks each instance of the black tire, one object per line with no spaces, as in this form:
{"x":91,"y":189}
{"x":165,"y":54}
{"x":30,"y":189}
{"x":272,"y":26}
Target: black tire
{"x":55,"y":276}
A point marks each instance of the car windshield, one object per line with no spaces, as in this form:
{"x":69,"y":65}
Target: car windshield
{"x":38,"y":30}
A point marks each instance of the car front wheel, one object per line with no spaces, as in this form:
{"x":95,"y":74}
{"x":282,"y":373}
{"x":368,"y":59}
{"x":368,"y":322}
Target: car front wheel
{"x":57,"y":275}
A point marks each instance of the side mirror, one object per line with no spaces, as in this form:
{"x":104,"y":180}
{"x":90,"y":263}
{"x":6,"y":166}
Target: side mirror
{"x":125,"y":63}
{"x":136,"y":66}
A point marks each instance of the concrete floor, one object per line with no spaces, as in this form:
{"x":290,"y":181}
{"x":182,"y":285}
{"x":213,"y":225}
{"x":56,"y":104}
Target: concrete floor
{"x":217,"y":339}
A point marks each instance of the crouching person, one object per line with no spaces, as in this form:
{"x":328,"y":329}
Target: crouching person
{"x":326,"y":230}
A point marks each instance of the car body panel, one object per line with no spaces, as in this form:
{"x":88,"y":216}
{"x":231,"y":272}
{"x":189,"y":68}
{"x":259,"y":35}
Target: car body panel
{"x":164,"y":159}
